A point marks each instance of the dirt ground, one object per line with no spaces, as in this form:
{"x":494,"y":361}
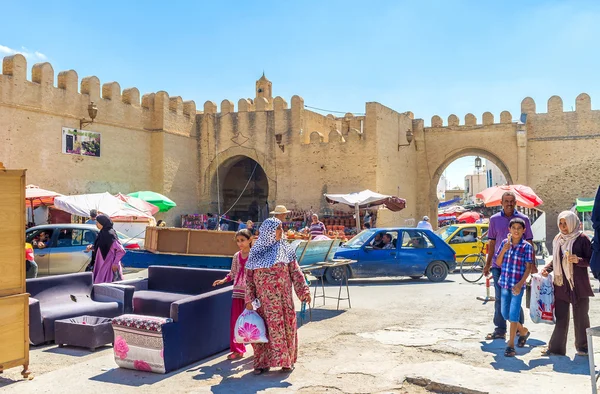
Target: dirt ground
{"x":400,"y":336}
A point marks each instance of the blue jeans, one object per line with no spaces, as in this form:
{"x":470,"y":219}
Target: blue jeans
{"x":499,"y":320}
{"x":511,"y":305}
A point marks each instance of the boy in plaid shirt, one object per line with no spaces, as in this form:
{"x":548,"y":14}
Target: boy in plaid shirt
{"x":515,"y":258}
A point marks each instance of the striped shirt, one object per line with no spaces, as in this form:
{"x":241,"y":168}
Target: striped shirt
{"x":514,"y":263}
{"x":317,"y":228}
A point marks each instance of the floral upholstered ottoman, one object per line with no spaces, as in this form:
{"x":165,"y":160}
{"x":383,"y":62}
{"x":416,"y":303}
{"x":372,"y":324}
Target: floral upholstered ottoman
{"x":139,"y":342}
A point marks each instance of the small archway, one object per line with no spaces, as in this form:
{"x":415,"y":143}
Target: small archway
{"x":242,"y":188}
{"x":433,"y":199}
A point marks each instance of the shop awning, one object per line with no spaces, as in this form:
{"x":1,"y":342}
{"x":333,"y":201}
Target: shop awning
{"x":448,"y":203}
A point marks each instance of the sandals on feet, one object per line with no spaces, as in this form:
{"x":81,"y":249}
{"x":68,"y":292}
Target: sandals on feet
{"x":509,"y":352}
{"x":287,"y":369}
{"x":235,"y":356}
{"x":523,"y":340}
{"x":495,"y":335}
{"x":260,"y":371}
{"x":545,"y":352}
{"x":582,"y":353}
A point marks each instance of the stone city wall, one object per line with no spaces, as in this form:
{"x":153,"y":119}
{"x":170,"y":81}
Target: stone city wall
{"x":143,"y":141}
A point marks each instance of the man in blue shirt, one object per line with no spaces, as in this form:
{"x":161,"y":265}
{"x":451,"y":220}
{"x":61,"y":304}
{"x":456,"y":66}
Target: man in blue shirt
{"x":93,"y":214}
{"x":498,"y":231}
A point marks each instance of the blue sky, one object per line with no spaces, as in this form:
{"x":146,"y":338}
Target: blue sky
{"x":428,"y":57}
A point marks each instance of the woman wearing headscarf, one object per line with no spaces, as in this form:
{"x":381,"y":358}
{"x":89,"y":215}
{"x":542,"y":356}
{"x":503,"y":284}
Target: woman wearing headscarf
{"x":271,"y":272}
{"x":109,"y":252}
{"x":571,"y":252}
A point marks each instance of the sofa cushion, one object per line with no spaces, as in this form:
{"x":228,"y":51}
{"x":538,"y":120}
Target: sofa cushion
{"x":53,"y":312}
{"x":155,"y":303}
{"x":50,"y":289}
{"x":183,"y":279}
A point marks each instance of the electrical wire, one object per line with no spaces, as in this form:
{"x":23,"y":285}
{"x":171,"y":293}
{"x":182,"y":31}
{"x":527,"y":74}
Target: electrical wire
{"x":333,"y":112}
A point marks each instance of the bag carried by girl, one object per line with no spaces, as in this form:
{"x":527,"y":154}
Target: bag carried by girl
{"x":542,"y":300}
{"x":250,"y":328}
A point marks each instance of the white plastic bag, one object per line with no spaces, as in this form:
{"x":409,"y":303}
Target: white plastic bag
{"x":250,"y":328}
{"x":542,"y":300}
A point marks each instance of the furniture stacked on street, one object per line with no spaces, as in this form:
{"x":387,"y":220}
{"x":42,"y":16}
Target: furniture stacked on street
{"x":14,"y":316}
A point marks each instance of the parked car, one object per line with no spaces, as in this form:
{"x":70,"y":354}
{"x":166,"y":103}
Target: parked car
{"x":463,"y":238}
{"x":61,"y":248}
{"x":413,"y":252}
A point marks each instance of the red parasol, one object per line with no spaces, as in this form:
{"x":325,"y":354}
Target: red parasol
{"x":469,"y":217}
{"x":526,"y":197}
{"x":37,"y":197}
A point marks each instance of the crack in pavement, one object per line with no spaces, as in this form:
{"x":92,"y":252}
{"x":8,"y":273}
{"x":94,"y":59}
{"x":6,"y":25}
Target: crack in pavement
{"x":438,"y":387}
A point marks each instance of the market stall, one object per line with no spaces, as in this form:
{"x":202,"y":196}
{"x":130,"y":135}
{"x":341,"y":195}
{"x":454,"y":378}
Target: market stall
{"x":127,"y":219}
{"x":364,"y":200}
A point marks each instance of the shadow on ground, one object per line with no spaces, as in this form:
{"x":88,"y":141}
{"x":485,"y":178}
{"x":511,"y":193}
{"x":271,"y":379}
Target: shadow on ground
{"x":319,"y":314}
{"x":563,"y":364}
{"x":230,"y":381}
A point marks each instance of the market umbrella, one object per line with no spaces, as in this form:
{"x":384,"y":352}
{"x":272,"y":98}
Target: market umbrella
{"x":526,"y":197}
{"x":163,"y":203}
{"x":595,"y":259}
{"x":469,"y":217}
{"x":138,"y":203}
{"x":36,"y":197}
{"x":366,"y":199}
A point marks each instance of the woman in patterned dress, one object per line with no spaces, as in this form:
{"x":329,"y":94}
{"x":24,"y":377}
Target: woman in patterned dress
{"x":271,"y":272}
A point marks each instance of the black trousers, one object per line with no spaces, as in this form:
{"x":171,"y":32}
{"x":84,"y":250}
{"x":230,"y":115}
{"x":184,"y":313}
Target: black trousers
{"x":581,"y":321}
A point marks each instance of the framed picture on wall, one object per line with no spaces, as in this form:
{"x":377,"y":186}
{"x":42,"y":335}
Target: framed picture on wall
{"x":80,"y":142}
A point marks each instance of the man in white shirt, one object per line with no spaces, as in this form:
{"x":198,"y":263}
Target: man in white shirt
{"x":425,"y":223}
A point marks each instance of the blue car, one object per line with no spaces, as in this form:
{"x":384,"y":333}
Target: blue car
{"x":412,"y":252}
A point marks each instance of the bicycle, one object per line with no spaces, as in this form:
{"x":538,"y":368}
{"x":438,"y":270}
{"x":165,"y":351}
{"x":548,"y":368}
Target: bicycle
{"x":471,"y":267}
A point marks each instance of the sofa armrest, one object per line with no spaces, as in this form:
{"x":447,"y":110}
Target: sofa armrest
{"x":216,"y":302}
{"x":112,"y":292}
{"x":139,"y":283}
{"x":36,"y":328}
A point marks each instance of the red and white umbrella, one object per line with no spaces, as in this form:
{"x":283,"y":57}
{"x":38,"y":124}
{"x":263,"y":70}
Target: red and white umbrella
{"x":469,"y":217}
{"x":525,"y":195}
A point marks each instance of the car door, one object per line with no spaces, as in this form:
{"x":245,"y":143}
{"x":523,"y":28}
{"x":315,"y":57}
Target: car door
{"x":41,"y":255}
{"x":482,"y":231}
{"x":378,"y":262}
{"x":70,"y":255}
{"x":462,"y":247}
{"x":416,"y":252}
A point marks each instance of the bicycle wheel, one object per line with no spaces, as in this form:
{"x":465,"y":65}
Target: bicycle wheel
{"x":471,"y":268}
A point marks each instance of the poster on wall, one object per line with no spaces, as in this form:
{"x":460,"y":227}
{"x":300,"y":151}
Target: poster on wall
{"x":80,"y":142}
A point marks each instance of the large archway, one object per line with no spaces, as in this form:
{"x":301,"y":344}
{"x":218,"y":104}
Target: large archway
{"x":433,"y":198}
{"x":243,"y":189}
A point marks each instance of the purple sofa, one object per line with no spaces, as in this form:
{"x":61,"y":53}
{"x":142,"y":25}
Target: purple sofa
{"x":198,"y":314}
{"x":66,"y":296}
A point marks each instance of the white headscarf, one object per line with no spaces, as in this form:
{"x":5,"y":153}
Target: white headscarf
{"x":564,"y":242}
{"x":268,"y":251}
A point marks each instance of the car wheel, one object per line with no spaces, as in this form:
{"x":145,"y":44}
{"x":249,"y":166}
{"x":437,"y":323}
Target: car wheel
{"x":334,"y":275}
{"x":415,"y":277}
{"x":437,"y":271}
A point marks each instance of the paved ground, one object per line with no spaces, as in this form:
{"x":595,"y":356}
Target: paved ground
{"x":399,"y":335}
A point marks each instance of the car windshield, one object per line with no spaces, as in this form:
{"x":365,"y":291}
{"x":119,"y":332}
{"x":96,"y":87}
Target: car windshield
{"x":446,"y":232}
{"x":360,"y":239}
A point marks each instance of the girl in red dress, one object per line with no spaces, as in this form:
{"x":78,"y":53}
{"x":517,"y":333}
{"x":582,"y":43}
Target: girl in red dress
{"x":243,"y":238}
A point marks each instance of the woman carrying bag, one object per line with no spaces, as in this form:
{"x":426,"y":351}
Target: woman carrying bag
{"x":571,"y":252}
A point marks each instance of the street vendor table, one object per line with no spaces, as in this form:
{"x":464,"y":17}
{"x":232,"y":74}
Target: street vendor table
{"x":309,"y":269}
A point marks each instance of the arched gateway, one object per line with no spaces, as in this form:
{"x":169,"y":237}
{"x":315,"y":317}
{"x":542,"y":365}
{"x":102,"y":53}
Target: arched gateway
{"x":433,"y":200}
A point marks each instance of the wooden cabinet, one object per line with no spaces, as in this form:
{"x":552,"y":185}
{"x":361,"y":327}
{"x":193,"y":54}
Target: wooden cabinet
{"x":14,"y":301}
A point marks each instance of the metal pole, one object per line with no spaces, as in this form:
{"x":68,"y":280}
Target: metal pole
{"x":357,"y":212}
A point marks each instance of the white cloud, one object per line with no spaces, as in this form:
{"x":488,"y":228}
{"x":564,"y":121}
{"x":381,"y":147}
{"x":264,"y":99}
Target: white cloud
{"x":35,"y":55}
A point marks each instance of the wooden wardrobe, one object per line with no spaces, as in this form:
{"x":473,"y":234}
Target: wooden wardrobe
{"x":14,"y":301}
